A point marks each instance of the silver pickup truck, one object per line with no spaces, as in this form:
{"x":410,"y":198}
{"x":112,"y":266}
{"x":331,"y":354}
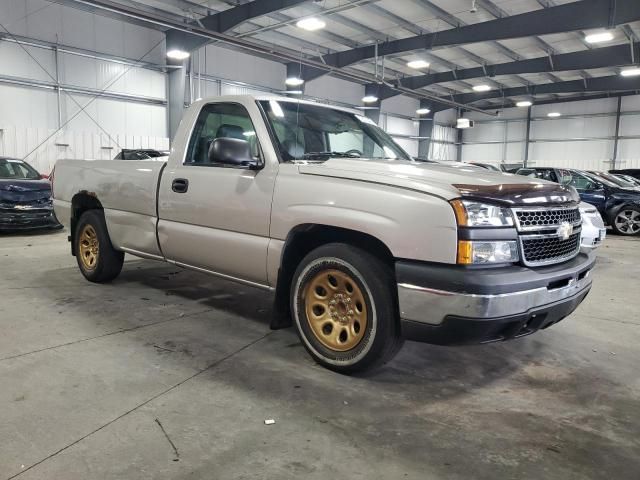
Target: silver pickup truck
{"x":361,"y":245}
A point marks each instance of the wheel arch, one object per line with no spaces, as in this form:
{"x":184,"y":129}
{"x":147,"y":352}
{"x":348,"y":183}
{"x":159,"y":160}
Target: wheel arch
{"x":80,"y":203}
{"x":304,"y":238}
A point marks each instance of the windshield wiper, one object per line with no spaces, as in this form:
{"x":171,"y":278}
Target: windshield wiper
{"x":312,"y":155}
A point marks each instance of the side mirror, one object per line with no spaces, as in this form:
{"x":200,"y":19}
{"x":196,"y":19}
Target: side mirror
{"x":232,"y":151}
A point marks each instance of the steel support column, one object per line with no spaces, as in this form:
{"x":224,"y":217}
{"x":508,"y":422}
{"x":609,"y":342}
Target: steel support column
{"x":175,"y":100}
{"x":459,"y":140}
{"x":616,"y":138}
{"x":527,"y":138}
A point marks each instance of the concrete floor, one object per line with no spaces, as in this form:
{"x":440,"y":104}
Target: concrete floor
{"x":168,"y":374}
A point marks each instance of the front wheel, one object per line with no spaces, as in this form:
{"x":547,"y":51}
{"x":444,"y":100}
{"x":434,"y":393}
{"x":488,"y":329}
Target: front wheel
{"x":627,"y":221}
{"x":98,"y":261}
{"x":345,"y":309}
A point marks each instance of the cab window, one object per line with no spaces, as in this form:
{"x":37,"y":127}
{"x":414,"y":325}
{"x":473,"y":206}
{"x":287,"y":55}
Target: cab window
{"x":218,"y":120}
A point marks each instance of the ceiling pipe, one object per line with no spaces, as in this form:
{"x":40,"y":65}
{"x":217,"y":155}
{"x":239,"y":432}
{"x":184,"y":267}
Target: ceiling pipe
{"x":162,"y":21}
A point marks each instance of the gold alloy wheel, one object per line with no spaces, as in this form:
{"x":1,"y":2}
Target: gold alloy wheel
{"x":89,"y":247}
{"x":336,"y":310}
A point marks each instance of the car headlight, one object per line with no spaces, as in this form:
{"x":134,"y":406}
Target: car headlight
{"x":485,"y":252}
{"x":470,"y":213}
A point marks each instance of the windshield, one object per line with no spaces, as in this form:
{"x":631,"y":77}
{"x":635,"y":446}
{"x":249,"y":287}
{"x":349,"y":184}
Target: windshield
{"x":311,"y":132}
{"x":602,"y":180}
{"x":616,"y":180}
{"x":17,"y":170}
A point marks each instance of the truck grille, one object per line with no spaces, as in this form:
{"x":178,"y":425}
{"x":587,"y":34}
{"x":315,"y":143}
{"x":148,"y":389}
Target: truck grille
{"x":540,"y":228}
{"x":547,"y":249}
{"x":537,"y":219}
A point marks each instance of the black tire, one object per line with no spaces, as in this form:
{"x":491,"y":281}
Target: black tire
{"x":373,"y":281}
{"x":625,"y":221}
{"x":106,"y":262}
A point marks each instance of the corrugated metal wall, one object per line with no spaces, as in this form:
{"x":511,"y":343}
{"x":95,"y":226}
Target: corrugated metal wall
{"x":583,"y":137}
{"x":133,"y":114}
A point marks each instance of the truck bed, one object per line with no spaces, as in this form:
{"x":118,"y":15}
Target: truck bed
{"x":127,"y":192}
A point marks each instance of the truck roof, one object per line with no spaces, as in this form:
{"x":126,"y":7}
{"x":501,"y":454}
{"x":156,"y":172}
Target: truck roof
{"x":278,"y":98}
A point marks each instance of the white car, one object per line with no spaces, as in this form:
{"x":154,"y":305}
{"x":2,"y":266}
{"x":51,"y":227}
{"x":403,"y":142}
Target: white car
{"x":593,"y":229}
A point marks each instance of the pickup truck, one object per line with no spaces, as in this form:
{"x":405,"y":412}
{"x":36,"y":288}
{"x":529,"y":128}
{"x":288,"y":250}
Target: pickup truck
{"x":361,"y":245}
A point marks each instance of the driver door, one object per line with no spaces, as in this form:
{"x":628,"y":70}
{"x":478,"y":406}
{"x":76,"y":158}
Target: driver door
{"x":215,"y":216}
{"x":589,"y":191}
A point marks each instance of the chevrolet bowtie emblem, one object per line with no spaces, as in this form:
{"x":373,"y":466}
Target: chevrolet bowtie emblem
{"x":564,"y":231}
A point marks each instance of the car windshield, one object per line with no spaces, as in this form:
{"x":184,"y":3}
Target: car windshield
{"x":311,"y":132}
{"x":616,"y":180}
{"x":17,"y":170}
{"x":597,"y":178}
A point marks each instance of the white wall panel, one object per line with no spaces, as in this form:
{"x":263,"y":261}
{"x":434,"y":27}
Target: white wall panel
{"x":335,"y":89}
{"x":586,"y":127}
{"x":27,"y":107}
{"x":399,"y":104}
{"x":18,"y":142}
{"x":491,"y":153}
{"x":516,"y":130}
{"x":631,"y":103}
{"x":585,"y":155}
{"x":53,"y":22}
{"x":237,"y":66}
{"x":514,"y":152}
{"x":629,"y":125}
{"x":408,"y":145}
{"x":484,"y":132}
{"x":17,"y":61}
{"x":401,"y":126}
{"x":628,"y":154}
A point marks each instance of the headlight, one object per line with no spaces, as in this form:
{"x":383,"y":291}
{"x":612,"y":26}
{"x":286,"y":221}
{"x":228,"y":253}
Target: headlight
{"x":476,"y":214}
{"x":483,"y":252}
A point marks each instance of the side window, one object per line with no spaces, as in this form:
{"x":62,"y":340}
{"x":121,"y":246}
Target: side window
{"x":581,"y":183}
{"x":220,"y":120}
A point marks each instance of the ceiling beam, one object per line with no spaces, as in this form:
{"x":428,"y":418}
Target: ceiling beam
{"x":226,"y":20}
{"x":615,"y":56}
{"x":614,"y":83}
{"x":558,"y":19}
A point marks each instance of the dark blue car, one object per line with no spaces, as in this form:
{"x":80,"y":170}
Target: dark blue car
{"x":618,"y":205}
{"x":25,"y":197}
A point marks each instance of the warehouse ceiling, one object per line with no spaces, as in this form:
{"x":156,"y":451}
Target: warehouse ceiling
{"x":530,"y":49}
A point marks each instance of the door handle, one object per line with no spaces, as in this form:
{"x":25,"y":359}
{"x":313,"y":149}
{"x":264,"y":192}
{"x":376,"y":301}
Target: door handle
{"x":180,"y":185}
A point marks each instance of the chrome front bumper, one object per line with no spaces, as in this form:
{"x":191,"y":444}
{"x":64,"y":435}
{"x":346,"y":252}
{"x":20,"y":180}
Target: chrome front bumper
{"x":432,"y":306}
{"x":430,"y":293}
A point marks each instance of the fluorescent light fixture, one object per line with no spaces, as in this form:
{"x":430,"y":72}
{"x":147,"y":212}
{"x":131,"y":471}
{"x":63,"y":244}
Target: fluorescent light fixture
{"x":553,"y":114}
{"x":417,"y":64}
{"x":370,"y":99}
{"x":276,"y":108}
{"x":294,"y":91}
{"x":178,"y":54}
{"x":463,"y":123}
{"x":422,"y":111}
{"x":524,"y":103}
{"x":599,"y":37}
{"x":311,"y":24}
{"x":294,"y":81}
{"x":481,"y":88}
{"x":630,"y":72}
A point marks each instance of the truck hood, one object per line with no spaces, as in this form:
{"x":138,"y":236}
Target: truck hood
{"x":446,"y":181}
{"x":16,"y":185}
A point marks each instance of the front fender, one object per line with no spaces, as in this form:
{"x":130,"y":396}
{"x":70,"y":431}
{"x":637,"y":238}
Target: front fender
{"x":413,"y":225}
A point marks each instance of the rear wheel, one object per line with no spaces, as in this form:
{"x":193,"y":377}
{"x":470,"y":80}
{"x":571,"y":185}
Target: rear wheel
{"x":627,"y":221}
{"x":98,"y":261}
{"x":345,"y":309}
